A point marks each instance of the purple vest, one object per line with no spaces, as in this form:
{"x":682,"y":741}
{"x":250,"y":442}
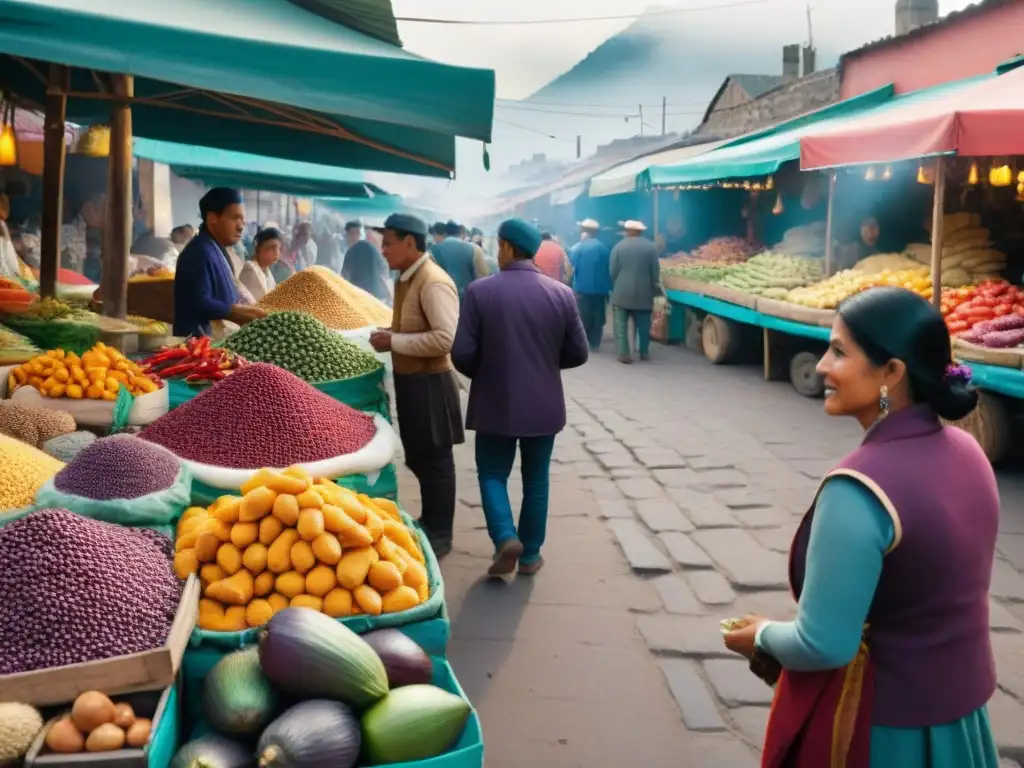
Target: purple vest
{"x":928,"y":629}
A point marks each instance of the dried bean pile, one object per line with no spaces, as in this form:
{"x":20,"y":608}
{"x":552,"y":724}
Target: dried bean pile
{"x":34,"y":425}
{"x":74,"y":589}
{"x":66,"y":447}
{"x":261,"y":416}
{"x":23,"y":470}
{"x":119,"y":467}
{"x":301,"y":344}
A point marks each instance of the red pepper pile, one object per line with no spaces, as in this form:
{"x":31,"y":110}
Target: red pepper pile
{"x":963,"y":308}
{"x":195,"y":361}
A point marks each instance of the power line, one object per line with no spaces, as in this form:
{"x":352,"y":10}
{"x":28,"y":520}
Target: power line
{"x":532,"y":130}
{"x":578,"y":19}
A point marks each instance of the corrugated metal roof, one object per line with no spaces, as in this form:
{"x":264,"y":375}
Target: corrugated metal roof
{"x":371,"y":17}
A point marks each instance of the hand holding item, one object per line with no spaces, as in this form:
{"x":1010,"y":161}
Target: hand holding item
{"x":242,"y":314}
{"x":380,"y":339}
{"x":739,"y":634}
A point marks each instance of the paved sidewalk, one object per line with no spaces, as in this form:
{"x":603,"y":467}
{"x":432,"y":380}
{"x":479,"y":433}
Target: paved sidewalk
{"x":677,"y":487}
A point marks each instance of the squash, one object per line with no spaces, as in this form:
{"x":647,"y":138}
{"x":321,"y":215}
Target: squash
{"x":384,"y":576}
{"x":255,"y":558}
{"x":327,"y":549}
{"x":338,"y":603}
{"x":270,"y":529}
{"x":236,"y":589}
{"x":320,"y":581}
{"x":290,"y":584}
{"x":311,"y":734}
{"x":206,"y":547}
{"x":368,"y":599}
{"x":263,"y":584}
{"x":185,"y":563}
{"x":286,"y":509}
{"x":244,"y":534}
{"x":311,"y":522}
{"x":229,"y":558}
{"x":279,"y":555}
{"x":237,"y":697}
{"x":400,"y":599}
{"x":302,"y":556}
{"x":256,"y":505}
{"x":258,"y":612}
{"x":354,"y":565}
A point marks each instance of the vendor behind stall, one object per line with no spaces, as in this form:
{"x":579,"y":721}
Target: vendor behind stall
{"x":204,"y":286}
{"x":256,"y":273}
{"x":865,"y":245}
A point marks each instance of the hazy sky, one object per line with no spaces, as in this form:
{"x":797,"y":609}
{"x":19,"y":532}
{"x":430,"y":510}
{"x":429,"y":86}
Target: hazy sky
{"x":526,"y":57}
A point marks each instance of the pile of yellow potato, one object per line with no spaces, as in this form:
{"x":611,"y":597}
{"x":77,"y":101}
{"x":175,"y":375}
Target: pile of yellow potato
{"x":293,"y":540}
{"x":828,"y":293}
{"x":97,"y":375}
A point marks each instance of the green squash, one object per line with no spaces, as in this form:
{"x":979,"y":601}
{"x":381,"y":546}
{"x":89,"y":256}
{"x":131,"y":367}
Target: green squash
{"x":415,"y":722}
{"x":237,"y":697}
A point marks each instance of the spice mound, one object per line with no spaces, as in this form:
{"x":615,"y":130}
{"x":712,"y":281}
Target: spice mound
{"x":329,"y":298}
{"x":23,"y":470}
{"x":119,"y":467}
{"x":261,"y":416}
{"x":74,"y":590}
{"x":301,"y":344}
{"x":66,"y":447}
{"x":34,"y":426}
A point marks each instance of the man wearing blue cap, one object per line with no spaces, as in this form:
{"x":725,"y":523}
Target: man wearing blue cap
{"x":204,"y":281}
{"x":517,"y":331}
{"x":460,"y":259}
{"x":423,"y":323}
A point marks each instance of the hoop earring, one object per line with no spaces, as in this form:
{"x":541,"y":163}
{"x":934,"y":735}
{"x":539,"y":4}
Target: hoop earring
{"x":883,"y":401}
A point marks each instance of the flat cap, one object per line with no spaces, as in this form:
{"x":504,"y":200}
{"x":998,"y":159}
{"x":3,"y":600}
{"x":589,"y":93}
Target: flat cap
{"x":404,"y":222}
{"x":522,"y":234}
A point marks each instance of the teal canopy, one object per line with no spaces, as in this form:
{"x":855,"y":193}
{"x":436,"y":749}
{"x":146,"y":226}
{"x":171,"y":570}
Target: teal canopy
{"x":374,"y":209}
{"x":268,"y":78}
{"x":221,"y":168}
{"x":760,"y":153}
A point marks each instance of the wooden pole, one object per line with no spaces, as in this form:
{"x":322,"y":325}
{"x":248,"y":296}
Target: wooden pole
{"x":54,"y":147}
{"x":118,"y":225}
{"x":828,"y":222}
{"x":938,"y":212}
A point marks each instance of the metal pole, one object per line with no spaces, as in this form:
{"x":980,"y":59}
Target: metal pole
{"x":54,"y":153}
{"x":938,"y":212}
{"x":664,"y":113}
{"x":828,"y":222}
{"x":656,"y":215}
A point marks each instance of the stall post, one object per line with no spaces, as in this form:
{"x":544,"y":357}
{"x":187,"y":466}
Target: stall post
{"x":54,"y":152}
{"x":655,"y":212}
{"x":937,"y":216}
{"x":118,"y":229}
{"x":828,"y":222}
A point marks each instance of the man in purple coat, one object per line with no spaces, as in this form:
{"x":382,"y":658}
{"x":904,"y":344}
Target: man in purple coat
{"x":517,"y":331}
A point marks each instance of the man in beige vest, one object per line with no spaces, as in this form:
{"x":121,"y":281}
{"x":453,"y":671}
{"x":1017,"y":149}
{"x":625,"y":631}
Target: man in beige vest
{"x":426,"y":314}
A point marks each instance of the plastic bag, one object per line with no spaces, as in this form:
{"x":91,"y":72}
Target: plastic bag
{"x":158,"y":511}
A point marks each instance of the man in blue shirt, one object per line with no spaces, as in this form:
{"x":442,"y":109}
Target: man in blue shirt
{"x":204,"y":283}
{"x":459,"y":259}
{"x":591,"y":280}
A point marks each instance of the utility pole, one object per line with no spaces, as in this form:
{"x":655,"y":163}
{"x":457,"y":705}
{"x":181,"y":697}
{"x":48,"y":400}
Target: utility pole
{"x":641,"y":120}
{"x":810,"y":28}
{"x":664,"y":113}
{"x":579,"y":146}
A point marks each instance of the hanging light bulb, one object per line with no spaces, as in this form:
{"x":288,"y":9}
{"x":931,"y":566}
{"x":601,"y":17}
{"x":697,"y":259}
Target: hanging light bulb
{"x":972,"y":175}
{"x":778,"y":207}
{"x":869,"y":174}
{"x":1020,"y":192}
{"x":887,"y":173}
{"x":770,"y":183}
{"x":1000,"y":174}
{"x":8,"y":140}
{"x":925,"y":174}
{"x":95,"y":142}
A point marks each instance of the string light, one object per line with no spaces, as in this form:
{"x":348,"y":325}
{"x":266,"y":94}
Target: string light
{"x":869,"y":174}
{"x":972,"y":175}
{"x":1000,"y":175}
{"x":8,"y":141}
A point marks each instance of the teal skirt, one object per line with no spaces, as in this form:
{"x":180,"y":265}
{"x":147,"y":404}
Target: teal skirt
{"x":965,"y":743}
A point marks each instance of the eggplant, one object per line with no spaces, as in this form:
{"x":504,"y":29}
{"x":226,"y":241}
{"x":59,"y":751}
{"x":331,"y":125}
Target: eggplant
{"x":309,"y":655}
{"x":404,"y":661}
{"x":312,"y":734}
{"x":212,"y":751}
{"x":237,"y":696}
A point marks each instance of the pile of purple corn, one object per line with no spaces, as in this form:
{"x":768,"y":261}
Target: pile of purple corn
{"x":74,"y":590}
{"x":119,"y":467}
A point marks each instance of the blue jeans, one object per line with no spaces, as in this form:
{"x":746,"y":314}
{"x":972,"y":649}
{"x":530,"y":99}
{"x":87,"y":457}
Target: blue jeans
{"x":495,"y":455}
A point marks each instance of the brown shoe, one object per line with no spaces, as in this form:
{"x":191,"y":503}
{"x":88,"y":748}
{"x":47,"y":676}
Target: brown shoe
{"x":505,"y":559}
{"x":528,"y":569}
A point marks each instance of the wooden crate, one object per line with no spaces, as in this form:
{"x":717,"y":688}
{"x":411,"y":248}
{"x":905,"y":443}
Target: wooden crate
{"x":784,"y":310}
{"x":145,"y":671}
{"x":148,"y":704}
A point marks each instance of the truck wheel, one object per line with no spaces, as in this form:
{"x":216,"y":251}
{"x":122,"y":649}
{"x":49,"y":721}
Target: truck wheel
{"x":721,"y":339}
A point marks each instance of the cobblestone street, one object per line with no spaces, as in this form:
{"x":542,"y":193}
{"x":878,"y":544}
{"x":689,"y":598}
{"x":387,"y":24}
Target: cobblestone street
{"x":675,"y":493}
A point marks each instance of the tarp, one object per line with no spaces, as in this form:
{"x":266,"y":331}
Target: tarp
{"x":218,"y":167}
{"x":373,"y":209}
{"x":978,"y":117}
{"x":623,"y":178}
{"x":761,"y":153}
{"x":268,"y":78}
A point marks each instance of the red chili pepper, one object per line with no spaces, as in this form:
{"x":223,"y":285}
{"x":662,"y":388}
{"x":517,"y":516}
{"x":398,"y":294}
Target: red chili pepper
{"x":177,"y":370}
{"x":176,"y":353}
{"x":202,"y":348}
{"x":206,"y":366}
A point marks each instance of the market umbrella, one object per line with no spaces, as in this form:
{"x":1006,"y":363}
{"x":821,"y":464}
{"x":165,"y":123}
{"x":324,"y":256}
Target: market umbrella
{"x":977,"y":118}
{"x":268,"y":78}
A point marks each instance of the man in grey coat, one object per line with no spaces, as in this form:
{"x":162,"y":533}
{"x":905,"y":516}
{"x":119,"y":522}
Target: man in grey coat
{"x":636,"y":282}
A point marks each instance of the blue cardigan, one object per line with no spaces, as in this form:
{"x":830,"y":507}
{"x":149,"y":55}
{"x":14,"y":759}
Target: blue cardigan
{"x":204,"y":287}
